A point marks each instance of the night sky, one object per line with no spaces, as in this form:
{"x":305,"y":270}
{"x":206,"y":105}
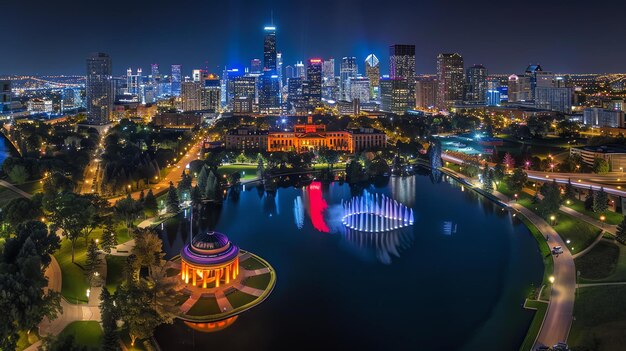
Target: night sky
{"x":54,"y":37}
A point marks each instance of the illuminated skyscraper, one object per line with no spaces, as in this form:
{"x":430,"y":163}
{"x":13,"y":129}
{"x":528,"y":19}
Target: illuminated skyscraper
{"x":402,"y":62}
{"x":290,"y":72}
{"x":99,"y":89}
{"x":314,"y":80}
{"x":211,"y":94}
{"x":372,"y":71}
{"x":154,"y":71}
{"x":449,"y":79}
{"x":300,"y":70}
{"x":360,"y":89}
{"x":133,"y":81}
{"x":256,"y":66}
{"x":476,"y":84}
{"x":349,"y":69}
{"x":269,"y":99}
{"x":425,"y":93}
{"x":175,"y":80}
{"x":328,"y":72}
{"x":191,"y":96}
{"x":269,"y":49}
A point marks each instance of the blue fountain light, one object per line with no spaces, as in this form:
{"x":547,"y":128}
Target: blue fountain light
{"x":375,"y":213}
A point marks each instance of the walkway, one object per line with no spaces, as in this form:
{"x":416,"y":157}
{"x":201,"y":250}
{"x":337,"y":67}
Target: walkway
{"x":590,"y":285}
{"x":12,"y":187}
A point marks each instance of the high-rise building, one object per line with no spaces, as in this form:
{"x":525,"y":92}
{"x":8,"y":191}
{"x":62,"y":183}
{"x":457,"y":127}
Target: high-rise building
{"x":372,"y":71}
{"x":328,"y":72}
{"x":154,"y":71}
{"x":211,"y":94}
{"x":5,"y":96}
{"x":360,"y":89}
{"x":191,"y":96}
{"x":99,"y":89}
{"x":348,"y":69}
{"x":133,"y":81}
{"x":295,"y":95}
{"x":269,"y":98}
{"x":314,"y":82}
{"x":244,"y":87}
{"x":402,"y":62}
{"x":425,"y":93}
{"x":269,"y":49}
{"x":476,"y":84}
{"x":598,"y":117}
{"x":449,"y":79}
{"x":300,"y":70}
{"x":256,"y":66}
{"x":394,"y":95}
{"x":531,"y":73}
{"x":175,"y":80}
{"x":519,"y":88}
{"x":198,"y":75}
{"x":290,"y":72}
{"x":554,"y":98}
{"x":279,"y":67}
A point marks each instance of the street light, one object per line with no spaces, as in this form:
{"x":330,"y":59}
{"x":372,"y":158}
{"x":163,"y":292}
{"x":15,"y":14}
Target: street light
{"x":515,"y":197}
{"x":602,"y":218}
{"x":552,"y":218}
{"x":551,"y":279}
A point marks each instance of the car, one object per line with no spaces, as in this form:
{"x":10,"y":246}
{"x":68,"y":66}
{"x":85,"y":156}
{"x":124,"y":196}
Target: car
{"x":557,"y":250}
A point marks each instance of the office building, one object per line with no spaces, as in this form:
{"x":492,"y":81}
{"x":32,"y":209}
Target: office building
{"x":425,"y":93}
{"x":519,"y":88}
{"x":269,"y":49}
{"x":279,"y":69}
{"x":99,"y":89}
{"x":360,"y":89}
{"x":133,"y":81}
{"x":314,"y":83}
{"x":348,"y":69}
{"x":476,"y":85}
{"x":211,"y":94}
{"x":531,"y":73}
{"x":449,"y":79}
{"x":394,"y":95}
{"x":598,"y":117}
{"x":554,"y":98}
{"x":402,"y":62}
{"x":175,"y":80}
{"x":295,"y":96}
{"x":372,"y":71}
{"x":191,"y":96}
{"x":300,"y":70}
{"x":256,"y":66}
{"x":290,"y":72}
{"x":38,"y":105}
{"x":5,"y":96}
{"x":269,"y":98}
{"x":328,"y":72}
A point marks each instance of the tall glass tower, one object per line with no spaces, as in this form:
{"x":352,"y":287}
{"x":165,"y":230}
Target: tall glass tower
{"x":175,"y":80}
{"x":269,"y":49}
{"x":99,"y":89}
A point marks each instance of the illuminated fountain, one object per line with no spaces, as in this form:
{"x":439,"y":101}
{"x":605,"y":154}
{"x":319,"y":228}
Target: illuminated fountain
{"x":375,"y":213}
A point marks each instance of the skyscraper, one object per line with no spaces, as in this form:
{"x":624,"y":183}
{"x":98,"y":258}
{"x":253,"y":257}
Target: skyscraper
{"x":425,"y":93}
{"x":476,"y":84}
{"x":328,"y":72}
{"x":349,"y":69}
{"x":314,"y":80}
{"x":175,"y":80}
{"x":269,"y":49}
{"x":372,"y":71}
{"x":191,"y":96}
{"x":211,"y":94}
{"x":402,"y":62}
{"x":394,"y":95}
{"x":99,"y":89}
{"x":300,"y":70}
{"x":290,"y":72}
{"x":531,"y":73}
{"x":256,"y":66}
{"x":154,"y":71}
{"x":449,"y":79}
{"x":360,"y":89}
{"x":133,"y":81}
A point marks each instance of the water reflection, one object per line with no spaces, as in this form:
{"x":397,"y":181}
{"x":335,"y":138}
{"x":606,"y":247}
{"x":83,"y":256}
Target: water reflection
{"x":211,"y":327}
{"x":380,"y":245}
{"x":316,"y":206}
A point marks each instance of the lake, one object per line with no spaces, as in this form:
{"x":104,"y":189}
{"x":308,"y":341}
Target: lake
{"x":454,"y":280}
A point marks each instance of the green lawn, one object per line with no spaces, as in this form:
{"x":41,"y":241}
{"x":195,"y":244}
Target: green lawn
{"x":204,"y":307}
{"x":618,"y":274}
{"x":600,"y":318}
{"x":600,"y":262}
{"x":250,"y":170}
{"x":31,"y":187}
{"x":258,"y":281}
{"x":579,"y":206}
{"x":74,"y":285}
{"x":535,"y":325}
{"x":115,"y":271}
{"x":579,"y":233}
{"x":86,"y":333}
{"x":238,"y":298}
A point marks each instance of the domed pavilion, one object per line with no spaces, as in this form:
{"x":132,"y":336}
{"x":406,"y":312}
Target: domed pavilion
{"x":210,"y":260}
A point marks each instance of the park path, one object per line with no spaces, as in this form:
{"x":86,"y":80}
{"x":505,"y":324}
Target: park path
{"x":600,"y":284}
{"x":559,"y":315}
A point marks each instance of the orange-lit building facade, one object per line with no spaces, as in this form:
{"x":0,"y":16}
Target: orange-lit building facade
{"x":307,"y":137}
{"x":210,"y":260}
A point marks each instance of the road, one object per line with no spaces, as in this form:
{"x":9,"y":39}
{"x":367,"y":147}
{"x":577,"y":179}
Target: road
{"x":174,"y":175}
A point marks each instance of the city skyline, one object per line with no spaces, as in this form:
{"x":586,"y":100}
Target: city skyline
{"x":354,"y":28}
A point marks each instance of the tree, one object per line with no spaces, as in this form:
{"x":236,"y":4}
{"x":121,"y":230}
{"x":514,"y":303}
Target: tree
{"x":172,"y":204}
{"x":551,"y":201}
{"x":620,"y":232}
{"x":487,"y":179}
{"x":72,"y":213}
{"x":589,"y":200}
{"x":93,"y":261}
{"x":45,"y":242}
{"x":196,"y":195}
{"x":600,"y":165}
{"x":98,"y":212}
{"x":184,"y":185}
{"x":212,"y":187}
{"x":508,"y":161}
{"x":517,"y":180}
{"x":18,"y":174}
{"x":63,"y":342}
{"x":147,"y":249}
{"x":600,"y":201}
{"x":127,"y":209}
{"x":109,"y":316}
{"x":498,"y":172}
{"x":21,"y":210}
{"x":260,"y":168}
{"x":142,"y":197}
{"x":150,"y":204}
{"x":108,"y":240}
{"x":163,"y":293}
{"x":134,"y":301}
{"x":570,"y":193}
{"x":202,"y":179}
